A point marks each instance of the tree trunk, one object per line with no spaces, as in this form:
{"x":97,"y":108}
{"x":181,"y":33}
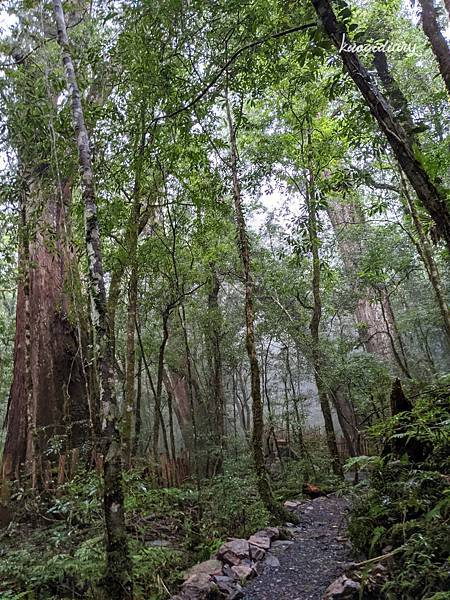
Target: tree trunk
{"x":264,"y":487}
{"x":371,"y":328}
{"x":159,"y":383}
{"x":128,"y":409}
{"x":133,"y":238}
{"x":48,"y":392}
{"x":394,"y":93}
{"x":437,"y":41}
{"x":138,"y":422}
{"x":176,"y":385}
{"x":433,"y":200}
{"x":315,"y":325}
{"x":171,"y":428}
{"x":118,"y":575}
{"x":216,"y":394}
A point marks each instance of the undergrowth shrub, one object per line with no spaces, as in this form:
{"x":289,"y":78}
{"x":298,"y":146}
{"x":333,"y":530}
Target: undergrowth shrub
{"x":407,"y":506}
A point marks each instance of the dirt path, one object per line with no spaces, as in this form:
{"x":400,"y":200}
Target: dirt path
{"x":318,"y":553}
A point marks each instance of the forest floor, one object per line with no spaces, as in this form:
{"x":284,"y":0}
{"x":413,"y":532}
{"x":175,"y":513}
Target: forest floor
{"x":318,"y":554}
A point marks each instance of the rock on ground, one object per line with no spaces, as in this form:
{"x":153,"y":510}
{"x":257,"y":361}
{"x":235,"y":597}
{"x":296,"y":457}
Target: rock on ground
{"x":318,"y":555}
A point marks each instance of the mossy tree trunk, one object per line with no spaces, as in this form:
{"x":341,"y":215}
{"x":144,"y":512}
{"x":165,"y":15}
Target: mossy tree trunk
{"x":118,"y":574}
{"x":264,"y":488}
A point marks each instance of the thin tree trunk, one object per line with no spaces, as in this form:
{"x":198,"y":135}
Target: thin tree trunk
{"x":264,"y":488}
{"x":118,"y":575}
{"x":158,"y":417}
{"x":159,"y":383}
{"x":432,"y":199}
{"x":133,"y":238}
{"x":138,"y":422}
{"x":437,"y":41}
{"x":128,"y":409}
{"x":171,"y":428}
{"x":295,"y":400}
{"x":315,"y":325}
{"x":217,"y":396}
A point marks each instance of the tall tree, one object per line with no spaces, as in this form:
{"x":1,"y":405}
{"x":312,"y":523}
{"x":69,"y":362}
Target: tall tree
{"x":264,"y":487}
{"x":433,"y":200}
{"x":314,"y":326}
{"x":438,"y":43}
{"x":118,"y":575}
{"x":48,"y":401}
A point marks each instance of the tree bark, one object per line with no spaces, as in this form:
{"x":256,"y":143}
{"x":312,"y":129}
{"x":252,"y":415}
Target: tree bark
{"x":133,"y":238}
{"x":371,"y":327}
{"x":315,"y":325}
{"x":48,"y":392}
{"x":434,"y":201}
{"x":118,"y":574}
{"x":264,"y":487}
{"x":128,"y":410}
{"x":159,"y":383}
{"x":138,"y":422}
{"x":437,"y":41}
{"x":216,"y":393}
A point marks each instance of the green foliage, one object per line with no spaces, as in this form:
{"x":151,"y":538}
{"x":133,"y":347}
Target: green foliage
{"x":407,"y":506}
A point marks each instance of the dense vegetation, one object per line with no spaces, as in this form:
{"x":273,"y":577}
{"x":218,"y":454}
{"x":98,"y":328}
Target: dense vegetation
{"x":224,"y":271}
{"x":407,"y":507}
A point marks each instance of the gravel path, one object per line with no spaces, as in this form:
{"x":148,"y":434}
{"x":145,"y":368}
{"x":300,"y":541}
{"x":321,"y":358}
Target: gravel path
{"x":317,"y":555}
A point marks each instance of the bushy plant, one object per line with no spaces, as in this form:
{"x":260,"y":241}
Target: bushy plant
{"x":407,"y":506}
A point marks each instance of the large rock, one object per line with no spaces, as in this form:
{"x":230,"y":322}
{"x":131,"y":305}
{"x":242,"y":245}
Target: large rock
{"x":209,"y":567}
{"x":342,"y":588}
{"x":243,"y":572}
{"x":257,"y":553}
{"x":260,"y":541}
{"x":225,"y":584}
{"x":197,"y":587}
{"x":273,"y":533}
{"x":234,"y":551}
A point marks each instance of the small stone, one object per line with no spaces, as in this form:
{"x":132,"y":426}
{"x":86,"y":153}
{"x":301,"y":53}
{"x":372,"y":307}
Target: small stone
{"x":256,"y":552}
{"x":292,"y":504}
{"x":243,"y":572}
{"x":258,"y":540}
{"x":238,"y":593}
{"x":271,"y":561}
{"x":342,"y":588}
{"x":282,"y":544}
{"x":225,"y":584}
{"x":273,"y":533}
{"x":232,"y":551}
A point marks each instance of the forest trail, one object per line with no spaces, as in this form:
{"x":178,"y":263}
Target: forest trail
{"x":317,"y":555}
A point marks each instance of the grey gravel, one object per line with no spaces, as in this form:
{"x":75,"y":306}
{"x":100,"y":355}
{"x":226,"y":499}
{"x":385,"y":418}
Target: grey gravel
{"x":318,"y":555}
